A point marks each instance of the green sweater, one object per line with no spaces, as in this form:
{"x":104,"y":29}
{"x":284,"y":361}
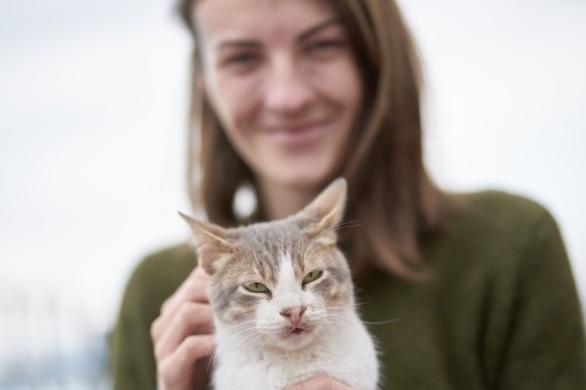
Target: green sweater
{"x":500,"y":312}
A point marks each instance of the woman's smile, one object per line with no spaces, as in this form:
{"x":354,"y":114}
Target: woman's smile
{"x":297,"y":135}
{"x":286,"y":88}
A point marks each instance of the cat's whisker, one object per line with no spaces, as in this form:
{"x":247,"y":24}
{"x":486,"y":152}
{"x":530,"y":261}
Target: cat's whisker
{"x":267,"y":335}
{"x":383,"y":322}
{"x":240,"y":339}
{"x":211,"y":361}
{"x":241,"y":323}
{"x":243,"y":331}
{"x":348,"y":224}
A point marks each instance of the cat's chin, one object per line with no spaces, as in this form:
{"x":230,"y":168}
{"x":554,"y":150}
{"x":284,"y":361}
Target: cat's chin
{"x":294,"y":338}
{"x":296,"y":333}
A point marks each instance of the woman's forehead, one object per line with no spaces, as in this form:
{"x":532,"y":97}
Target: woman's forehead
{"x":220,"y":20}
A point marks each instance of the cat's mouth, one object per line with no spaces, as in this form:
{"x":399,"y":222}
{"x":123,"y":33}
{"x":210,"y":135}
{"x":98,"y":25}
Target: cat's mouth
{"x":297,"y":330}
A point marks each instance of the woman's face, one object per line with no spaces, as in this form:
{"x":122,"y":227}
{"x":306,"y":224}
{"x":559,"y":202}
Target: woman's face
{"x":282,"y":79}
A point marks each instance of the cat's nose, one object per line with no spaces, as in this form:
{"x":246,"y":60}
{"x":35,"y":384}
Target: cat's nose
{"x":293,"y":313}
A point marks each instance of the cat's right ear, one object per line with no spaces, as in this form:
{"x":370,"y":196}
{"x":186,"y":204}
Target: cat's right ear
{"x":213,"y":247}
{"x":325,"y":213}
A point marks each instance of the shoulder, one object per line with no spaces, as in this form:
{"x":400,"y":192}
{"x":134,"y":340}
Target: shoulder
{"x":490,"y":215}
{"x":499,"y":206}
{"x":502,"y":258}
{"x":498,"y":251}
{"x":494,"y":233}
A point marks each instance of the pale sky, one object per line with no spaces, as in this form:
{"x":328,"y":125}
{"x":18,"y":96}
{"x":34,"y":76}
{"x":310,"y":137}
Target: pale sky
{"x":92,"y":121}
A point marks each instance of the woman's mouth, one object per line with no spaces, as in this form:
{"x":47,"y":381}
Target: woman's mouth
{"x":296,"y":136}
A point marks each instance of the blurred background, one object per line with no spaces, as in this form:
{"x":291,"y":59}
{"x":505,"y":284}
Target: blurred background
{"x":93,"y":103}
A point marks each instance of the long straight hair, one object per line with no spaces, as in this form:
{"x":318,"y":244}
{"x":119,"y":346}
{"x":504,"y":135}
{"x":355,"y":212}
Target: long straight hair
{"x":390,"y":193}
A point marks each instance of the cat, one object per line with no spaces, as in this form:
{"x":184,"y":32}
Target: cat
{"x":283,"y":301}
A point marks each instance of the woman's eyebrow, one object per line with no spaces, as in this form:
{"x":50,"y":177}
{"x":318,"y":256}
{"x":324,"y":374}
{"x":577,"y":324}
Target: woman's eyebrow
{"x":245,"y":43}
{"x":237,"y":43}
{"x":317,"y":28}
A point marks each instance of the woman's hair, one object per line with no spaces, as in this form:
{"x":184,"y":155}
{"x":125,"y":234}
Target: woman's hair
{"x":390,"y":192}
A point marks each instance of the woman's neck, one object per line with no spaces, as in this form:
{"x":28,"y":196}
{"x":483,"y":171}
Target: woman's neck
{"x":282,"y":201}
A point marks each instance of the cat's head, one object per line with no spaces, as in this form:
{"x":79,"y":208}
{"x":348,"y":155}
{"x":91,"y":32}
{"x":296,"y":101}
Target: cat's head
{"x":280,"y":283}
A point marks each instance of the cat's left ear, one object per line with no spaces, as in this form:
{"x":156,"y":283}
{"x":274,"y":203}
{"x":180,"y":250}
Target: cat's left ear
{"x":325,"y":213}
{"x":213,"y":247}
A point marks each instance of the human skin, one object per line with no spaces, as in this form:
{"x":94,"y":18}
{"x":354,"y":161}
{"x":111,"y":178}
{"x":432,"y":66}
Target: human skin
{"x":283,"y":81}
{"x":321,"y":382}
{"x":183,"y":336}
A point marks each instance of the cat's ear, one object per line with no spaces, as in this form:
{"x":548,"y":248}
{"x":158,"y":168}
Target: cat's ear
{"x":322,"y":216}
{"x":211,"y":242}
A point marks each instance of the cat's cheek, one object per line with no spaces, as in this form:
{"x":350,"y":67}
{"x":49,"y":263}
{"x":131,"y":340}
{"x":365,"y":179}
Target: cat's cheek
{"x":266,"y":318}
{"x":333,"y":294}
{"x":237,"y":308}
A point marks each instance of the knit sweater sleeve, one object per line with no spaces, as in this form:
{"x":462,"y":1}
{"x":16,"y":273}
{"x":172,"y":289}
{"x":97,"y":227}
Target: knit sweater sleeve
{"x":133,"y":365}
{"x":546,"y":333}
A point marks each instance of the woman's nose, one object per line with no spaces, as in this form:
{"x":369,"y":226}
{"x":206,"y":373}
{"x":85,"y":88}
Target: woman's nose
{"x":287,"y":90}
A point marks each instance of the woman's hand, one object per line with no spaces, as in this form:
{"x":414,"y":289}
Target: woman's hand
{"x":321,"y":382}
{"x":182,"y":336}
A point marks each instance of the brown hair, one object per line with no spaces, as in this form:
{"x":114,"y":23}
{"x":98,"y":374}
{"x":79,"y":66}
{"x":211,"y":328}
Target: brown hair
{"x":390,"y":192}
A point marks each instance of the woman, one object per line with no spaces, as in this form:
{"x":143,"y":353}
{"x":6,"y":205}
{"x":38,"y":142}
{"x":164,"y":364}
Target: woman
{"x":462,"y":291}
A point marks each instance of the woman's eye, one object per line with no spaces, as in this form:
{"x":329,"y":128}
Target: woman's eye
{"x":242,"y":59}
{"x":256,"y":288}
{"x":310,"y":277}
{"x":325,"y":46}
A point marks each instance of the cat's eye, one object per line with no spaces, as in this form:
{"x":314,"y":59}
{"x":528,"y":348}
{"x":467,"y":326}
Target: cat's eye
{"x":310,"y":277}
{"x":256,"y":288}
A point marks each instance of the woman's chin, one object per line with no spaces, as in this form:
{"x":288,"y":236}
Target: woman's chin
{"x":308,"y":180}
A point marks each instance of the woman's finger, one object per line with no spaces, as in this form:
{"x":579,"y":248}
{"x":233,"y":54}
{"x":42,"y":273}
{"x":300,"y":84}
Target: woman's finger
{"x":192,"y":318}
{"x":321,"y":382}
{"x":177,"y":370}
{"x":193,"y":289}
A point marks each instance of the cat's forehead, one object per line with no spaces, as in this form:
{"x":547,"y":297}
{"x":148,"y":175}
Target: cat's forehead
{"x":277,"y":236}
{"x":260,"y":249}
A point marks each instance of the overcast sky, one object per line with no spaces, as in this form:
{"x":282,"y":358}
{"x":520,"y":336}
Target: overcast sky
{"x":92,"y":119}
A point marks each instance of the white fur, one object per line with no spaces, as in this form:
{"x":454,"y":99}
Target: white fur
{"x":345,"y":352}
{"x":340,"y":348}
